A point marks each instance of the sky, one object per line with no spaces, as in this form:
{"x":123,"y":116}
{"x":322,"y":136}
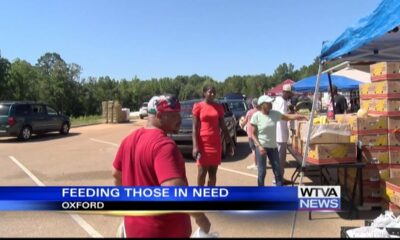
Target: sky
{"x":165,"y":38}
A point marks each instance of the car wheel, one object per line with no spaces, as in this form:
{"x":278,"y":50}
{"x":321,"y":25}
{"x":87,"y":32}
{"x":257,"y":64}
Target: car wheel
{"x":223,"y":148}
{"x":26,"y":133}
{"x":141,"y":116}
{"x":64,"y":128}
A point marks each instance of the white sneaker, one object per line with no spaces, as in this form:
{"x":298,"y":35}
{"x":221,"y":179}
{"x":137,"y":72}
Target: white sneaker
{"x":394,"y":224}
{"x":368,"y":232}
{"x":252,"y":166}
{"x":383,"y":219}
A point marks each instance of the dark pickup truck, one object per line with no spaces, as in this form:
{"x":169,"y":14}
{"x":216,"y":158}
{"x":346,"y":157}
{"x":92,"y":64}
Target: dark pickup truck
{"x":184,"y":138}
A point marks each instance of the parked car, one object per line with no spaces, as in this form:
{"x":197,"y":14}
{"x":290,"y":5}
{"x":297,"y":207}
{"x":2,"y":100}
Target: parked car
{"x":22,"y":119}
{"x":143,"y":110}
{"x":184,"y":140}
{"x":239,"y":108}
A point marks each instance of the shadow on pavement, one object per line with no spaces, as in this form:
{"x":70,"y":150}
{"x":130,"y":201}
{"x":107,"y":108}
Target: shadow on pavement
{"x":39,"y":138}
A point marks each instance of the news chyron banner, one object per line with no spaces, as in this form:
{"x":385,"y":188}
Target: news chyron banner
{"x":85,"y":198}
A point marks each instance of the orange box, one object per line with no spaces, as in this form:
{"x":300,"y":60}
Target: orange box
{"x":387,"y":88}
{"x":366,"y":89}
{"x":392,"y":191}
{"x":385,"y":71}
{"x":394,"y":157}
{"x":372,"y":124}
{"x":375,"y":140}
{"x":386,"y":107}
{"x":393,"y":123}
{"x":394,"y":138}
{"x":299,"y":125}
{"x":375,"y":156}
{"x":365,"y":104}
{"x":332,"y":153}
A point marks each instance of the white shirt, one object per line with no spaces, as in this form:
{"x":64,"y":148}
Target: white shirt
{"x":282,"y":131}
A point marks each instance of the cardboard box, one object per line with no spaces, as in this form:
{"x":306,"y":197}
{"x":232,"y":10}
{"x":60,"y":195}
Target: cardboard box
{"x":366,"y":89}
{"x":389,"y":88}
{"x":395,"y":172}
{"x":386,"y":107}
{"x":394,"y":157}
{"x":375,"y":140}
{"x":328,"y":133}
{"x":394,"y":138}
{"x":392,"y":190}
{"x":353,"y":138}
{"x":375,"y":156}
{"x":332,"y":153}
{"x":365,"y":104}
{"x":372,"y":124}
{"x":350,"y":119}
{"x":299,"y":125}
{"x":393,"y":123}
{"x":385,"y":71}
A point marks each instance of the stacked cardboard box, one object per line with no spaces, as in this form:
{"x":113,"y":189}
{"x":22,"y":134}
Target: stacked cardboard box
{"x":381,"y":98}
{"x":372,"y":132}
{"x":329,"y":143}
{"x":112,"y":112}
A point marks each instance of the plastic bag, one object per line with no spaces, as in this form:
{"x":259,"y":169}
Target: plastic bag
{"x":201,"y":234}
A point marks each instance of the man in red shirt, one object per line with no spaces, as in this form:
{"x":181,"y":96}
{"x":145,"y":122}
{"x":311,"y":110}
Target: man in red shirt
{"x":148,"y":157}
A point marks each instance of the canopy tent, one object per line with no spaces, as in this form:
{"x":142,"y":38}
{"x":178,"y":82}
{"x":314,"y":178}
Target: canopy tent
{"x":342,"y":83}
{"x":277,"y":90}
{"x":374,"y":38}
{"x":355,"y":74}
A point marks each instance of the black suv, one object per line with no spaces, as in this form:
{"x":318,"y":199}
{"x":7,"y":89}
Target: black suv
{"x":22,"y":119}
{"x":239,"y":108}
{"x":184,"y":138}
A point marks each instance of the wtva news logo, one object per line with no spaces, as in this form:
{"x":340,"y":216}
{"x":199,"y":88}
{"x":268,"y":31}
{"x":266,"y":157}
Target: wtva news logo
{"x":319,"y":198}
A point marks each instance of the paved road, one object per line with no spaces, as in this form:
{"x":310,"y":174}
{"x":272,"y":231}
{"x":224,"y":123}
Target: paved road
{"x":84,"y":157}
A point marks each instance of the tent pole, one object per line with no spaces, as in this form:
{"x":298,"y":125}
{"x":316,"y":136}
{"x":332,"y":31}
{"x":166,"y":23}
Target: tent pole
{"x":332,"y":96}
{"x":310,"y":125}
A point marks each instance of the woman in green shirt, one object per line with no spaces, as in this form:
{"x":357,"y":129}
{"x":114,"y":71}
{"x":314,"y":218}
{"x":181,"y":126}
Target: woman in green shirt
{"x":264,"y":122}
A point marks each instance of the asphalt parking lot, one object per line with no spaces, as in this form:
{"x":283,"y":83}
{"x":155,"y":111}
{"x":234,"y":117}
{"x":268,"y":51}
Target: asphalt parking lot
{"x":84,"y":157}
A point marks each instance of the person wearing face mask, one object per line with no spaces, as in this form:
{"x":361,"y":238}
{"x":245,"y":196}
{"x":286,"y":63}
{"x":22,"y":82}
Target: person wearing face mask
{"x":208,"y":121}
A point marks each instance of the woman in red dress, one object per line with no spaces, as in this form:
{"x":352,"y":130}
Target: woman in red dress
{"x":208,"y":119}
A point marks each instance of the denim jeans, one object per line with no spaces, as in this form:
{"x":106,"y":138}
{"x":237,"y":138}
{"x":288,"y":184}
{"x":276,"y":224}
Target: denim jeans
{"x":273,"y":157}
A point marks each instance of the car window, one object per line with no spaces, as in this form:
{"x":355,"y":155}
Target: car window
{"x":22,"y":110}
{"x":51,"y":111}
{"x":145,"y":104}
{"x":186,"y":109}
{"x":37,"y":109}
{"x":237,"y":106}
{"x":4,"y":108}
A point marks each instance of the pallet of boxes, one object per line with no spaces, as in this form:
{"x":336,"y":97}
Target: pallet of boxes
{"x":112,"y":112}
{"x":381,"y":98}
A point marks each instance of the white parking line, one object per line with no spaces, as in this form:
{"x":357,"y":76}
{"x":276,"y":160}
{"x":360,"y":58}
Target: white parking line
{"x":238,"y":172}
{"x":78,"y":219}
{"x":222,"y":168}
{"x":101,"y":141}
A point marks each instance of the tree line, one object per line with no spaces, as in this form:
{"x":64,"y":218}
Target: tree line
{"x":53,"y":81}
